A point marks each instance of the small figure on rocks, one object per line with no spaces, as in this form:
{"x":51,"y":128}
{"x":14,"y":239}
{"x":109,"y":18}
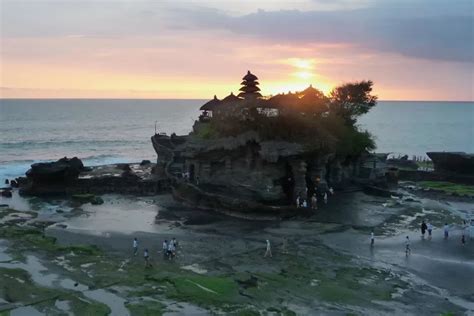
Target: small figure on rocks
{"x":135,"y":246}
{"x":424,"y":227}
{"x":298,"y":201}
{"x":175,"y":243}
{"x":325,"y":198}
{"x":268,"y":251}
{"x":146,"y":256}
{"x":165,"y":248}
{"x":314,"y":202}
{"x":407,"y":246}
{"x":446,"y":230}
{"x":372,"y":238}
{"x":305,"y":204}
{"x":430,"y":229}
{"x":171,"y":250}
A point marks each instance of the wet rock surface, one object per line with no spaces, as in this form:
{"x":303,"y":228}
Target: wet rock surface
{"x":456,"y":162}
{"x":70,"y":177}
{"x":320,"y":265}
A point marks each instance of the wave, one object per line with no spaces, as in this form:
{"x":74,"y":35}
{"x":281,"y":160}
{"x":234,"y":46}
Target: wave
{"x":88,"y":142}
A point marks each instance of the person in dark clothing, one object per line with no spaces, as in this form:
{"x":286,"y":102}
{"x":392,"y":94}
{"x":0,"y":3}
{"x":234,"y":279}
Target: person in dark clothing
{"x":424,"y":227}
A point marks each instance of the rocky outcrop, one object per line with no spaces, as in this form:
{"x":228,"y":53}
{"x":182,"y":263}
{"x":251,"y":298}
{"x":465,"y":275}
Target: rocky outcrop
{"x":453,"y":162}
{"x":68,"y":176}
{"x":245,"y":174}
{"x":62,"y":171}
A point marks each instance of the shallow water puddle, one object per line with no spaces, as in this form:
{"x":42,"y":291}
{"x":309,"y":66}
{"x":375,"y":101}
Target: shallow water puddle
{"x":38,"y":273}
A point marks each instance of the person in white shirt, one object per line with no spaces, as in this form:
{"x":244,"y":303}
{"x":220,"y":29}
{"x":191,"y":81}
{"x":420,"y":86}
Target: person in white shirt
{"x":171,"y":250}
{"x":331,"y":191}
{"x":325,"y":198}
{"x":165,"y":248}
{"x":430,"y":229}
{"x":372,"y":238}
{"x":298,"y":201}
{"x":314,"y":202}
{"x":305,"y":204}
{"x":446,"y":230}
{"x":135,"y":246}
{"x":146,"y":256}
{"x":268,"y":251}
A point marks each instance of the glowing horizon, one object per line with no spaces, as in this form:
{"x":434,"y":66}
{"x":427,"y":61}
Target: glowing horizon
{"x":183,"y":50}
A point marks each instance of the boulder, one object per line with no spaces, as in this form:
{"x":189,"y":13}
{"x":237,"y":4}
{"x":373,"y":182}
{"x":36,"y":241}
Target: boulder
{"x":6,"y":193}
{"x":14,"y":184}
{"x":61,"y":171}
{"x":453,"y":162}
{"x":88,"y":198}
{"x":6,"y":181}
{"x":145,"y":162}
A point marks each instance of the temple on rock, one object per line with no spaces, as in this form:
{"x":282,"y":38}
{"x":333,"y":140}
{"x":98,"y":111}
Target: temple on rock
{"x":310,"y":101}
{"x":250,"y":153}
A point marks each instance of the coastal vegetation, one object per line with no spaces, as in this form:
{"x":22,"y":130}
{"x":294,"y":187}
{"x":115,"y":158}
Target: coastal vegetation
{"x":448,"y":187}
{"x":326,"y":124}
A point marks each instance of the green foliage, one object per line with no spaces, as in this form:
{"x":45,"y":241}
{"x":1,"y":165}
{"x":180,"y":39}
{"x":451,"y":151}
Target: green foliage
{"x":351,"y":100}
{"x":448,"y":187}
{"x":322,"y":124}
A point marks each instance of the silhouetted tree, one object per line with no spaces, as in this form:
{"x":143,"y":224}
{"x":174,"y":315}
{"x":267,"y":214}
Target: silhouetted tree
{"x":352,"y":100}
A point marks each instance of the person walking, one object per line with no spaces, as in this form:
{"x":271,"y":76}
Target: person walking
{"x":165,"y":248}
{"x":170,"y":250}
{"x":430,"y":229}
{"x":372,"y":238}
{"x":407,"y":246}
{"x":424,"y":227}
{"x":446,"y":230}
{"x":314,"y":202}
{"x":135,"y":246}
{"x":268,"y":251}
{"x":146,"y":256}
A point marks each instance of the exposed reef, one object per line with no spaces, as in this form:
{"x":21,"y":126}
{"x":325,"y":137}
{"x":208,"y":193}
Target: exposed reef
{"x":69,"y":176}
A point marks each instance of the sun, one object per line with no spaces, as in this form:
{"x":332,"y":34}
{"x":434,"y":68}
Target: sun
{"x":305,"y":75}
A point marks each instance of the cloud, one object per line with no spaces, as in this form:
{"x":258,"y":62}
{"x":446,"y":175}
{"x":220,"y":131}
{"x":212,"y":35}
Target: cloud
{"x":420,"y":28}
{"x":427,"y":29}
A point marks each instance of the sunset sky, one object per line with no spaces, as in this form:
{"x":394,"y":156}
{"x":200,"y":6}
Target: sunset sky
{"x":411,"y":49}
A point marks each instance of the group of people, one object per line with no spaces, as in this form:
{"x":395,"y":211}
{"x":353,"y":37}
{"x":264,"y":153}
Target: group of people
{"x":427,"y":227}
{"x":168,"y":249}
{"x":303,"y":203}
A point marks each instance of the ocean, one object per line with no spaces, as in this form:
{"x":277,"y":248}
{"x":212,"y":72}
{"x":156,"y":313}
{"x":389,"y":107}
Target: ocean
{"x":112,"y":131}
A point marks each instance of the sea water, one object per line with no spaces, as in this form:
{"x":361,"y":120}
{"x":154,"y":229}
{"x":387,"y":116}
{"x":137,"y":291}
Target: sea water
{"x":112,"y":131}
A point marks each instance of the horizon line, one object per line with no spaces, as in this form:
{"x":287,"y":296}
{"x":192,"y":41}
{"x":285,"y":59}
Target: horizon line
{"x":97,"y":99}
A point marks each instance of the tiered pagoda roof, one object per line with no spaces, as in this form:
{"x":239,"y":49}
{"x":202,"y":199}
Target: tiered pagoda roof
{"x":250,"y":89}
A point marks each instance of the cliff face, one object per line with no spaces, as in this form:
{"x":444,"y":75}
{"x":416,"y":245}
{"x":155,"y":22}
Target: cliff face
{"x":248,"y":170}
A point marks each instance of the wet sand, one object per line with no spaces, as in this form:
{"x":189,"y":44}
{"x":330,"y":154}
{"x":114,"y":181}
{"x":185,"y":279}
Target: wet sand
{"x":436,"y":273}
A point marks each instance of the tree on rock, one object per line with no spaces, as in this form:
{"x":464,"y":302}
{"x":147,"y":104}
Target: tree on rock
{"x":352,"y":100}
